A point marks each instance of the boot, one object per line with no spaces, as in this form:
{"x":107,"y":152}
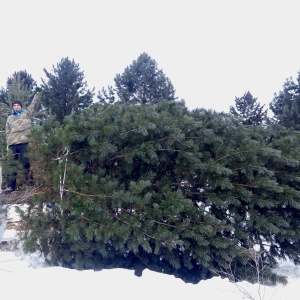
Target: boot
{"x":7,"y":190}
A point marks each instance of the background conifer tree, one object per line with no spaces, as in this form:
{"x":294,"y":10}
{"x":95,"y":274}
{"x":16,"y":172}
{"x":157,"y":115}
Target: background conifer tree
{"x":18,"y":88}
{"x":286,"y":104}
{"x":26,"y":80}
{"x":141,"y":83}
{"x":248,"y":110}
{"x":65,"y":91}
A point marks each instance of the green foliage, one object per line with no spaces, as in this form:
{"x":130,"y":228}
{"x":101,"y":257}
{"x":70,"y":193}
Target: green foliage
{"x":250,"y":112}
{"x":141,"y":83}
{"x":18,"y":90}
{"x":286,"y":105}
{"x":28,"y":82}
{"x":20,"y":86}
{"x":65,"y":91}
{"x":163,"y":188}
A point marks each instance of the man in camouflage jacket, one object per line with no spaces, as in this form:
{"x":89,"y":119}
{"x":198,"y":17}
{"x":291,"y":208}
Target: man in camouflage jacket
{"x":18,"y":126}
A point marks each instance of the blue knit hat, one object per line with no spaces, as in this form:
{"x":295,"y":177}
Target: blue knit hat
{"x":17,"y":102}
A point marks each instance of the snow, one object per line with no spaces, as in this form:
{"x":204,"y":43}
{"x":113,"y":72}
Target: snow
{"x":26,"y":276}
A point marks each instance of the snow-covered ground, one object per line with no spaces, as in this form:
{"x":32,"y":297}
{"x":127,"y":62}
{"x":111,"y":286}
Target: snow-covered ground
{"x":26,"y":277}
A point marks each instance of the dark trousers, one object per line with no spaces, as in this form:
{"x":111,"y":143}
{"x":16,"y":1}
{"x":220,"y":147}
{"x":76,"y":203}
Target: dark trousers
{"x":18,"y":151}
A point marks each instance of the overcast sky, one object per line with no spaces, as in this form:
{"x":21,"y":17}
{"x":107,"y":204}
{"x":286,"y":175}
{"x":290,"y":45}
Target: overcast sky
{"x":212,"y":51}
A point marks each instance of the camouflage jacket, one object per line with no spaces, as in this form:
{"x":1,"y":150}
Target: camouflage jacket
{"x":18,"y":127}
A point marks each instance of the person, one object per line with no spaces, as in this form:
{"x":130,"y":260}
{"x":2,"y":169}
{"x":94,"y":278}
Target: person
{"x":18,"y":126}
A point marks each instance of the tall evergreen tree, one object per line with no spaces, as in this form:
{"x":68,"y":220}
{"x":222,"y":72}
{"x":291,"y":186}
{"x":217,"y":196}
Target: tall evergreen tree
{"x":141,"y":83}
{"x":247,"y":108}
{"x":65,"y":91}
{"x":27,"y":82}
{"x":21,"y":86}
{"x":286,"y":104}
{"x":17,"y":89}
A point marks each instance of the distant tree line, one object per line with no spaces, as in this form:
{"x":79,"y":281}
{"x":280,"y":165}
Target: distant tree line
{"x":137,"y":180}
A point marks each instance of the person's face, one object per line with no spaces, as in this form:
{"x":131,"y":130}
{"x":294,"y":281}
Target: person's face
{"x":17,"y":106}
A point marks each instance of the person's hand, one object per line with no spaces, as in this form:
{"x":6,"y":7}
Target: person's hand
{"x":38,"y":90}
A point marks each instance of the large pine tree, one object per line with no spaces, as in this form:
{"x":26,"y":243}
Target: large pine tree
{"x":159,"y":187}
{"x":141,"y":83}
{"x":65,"y":90}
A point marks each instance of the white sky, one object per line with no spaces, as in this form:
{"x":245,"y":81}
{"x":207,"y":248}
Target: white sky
{"x":212,"y":50}
{"x":26,"y":277}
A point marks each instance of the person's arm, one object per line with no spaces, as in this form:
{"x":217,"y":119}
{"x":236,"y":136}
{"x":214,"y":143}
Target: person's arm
{"x":34,"y":103}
